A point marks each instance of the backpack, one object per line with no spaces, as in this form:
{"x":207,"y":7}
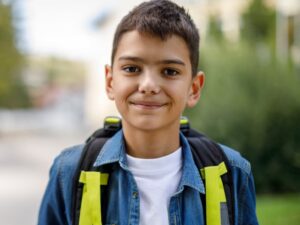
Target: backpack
{"x":208,"y":156}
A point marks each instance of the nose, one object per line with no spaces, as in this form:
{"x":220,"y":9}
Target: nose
{"x":149,"y":83}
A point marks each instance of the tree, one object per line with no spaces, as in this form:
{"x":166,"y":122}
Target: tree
{"x":253,"y":106}
{"x":13,"y":93}
{"x":259,"y":22}
{"x":215,"y":31}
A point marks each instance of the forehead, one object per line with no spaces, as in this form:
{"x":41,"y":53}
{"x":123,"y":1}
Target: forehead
{"x":134,"y":43}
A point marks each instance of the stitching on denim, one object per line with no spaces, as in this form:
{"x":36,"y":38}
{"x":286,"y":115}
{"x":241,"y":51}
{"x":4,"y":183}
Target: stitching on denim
{"x":246,"y":169}
{"x":114,"y":158}
{"x":60,"y":179}
{"x":241,"y":202}
{"x":236,"y":159}
{"x":179,"y":211}
{"x":130,"y":198}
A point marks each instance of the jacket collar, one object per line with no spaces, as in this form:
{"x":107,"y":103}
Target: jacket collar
{"x":114,"y":151}
{"x":190,"y":174}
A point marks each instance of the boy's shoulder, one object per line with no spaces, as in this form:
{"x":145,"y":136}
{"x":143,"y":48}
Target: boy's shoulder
{"x":236,"y":159}
{"x":68,"y":159}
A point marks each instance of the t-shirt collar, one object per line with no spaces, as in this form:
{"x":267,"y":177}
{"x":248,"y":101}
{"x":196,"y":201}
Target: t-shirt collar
{"x":113,"y":151}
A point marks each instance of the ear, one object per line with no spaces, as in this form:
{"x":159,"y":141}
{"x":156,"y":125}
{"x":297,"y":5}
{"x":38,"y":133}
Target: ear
{"x":195,"y":89}
{"x":109,"y":82}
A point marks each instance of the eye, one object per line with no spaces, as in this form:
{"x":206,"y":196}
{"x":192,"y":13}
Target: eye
{"x":131,"y":69}
{"x":170,"y":72}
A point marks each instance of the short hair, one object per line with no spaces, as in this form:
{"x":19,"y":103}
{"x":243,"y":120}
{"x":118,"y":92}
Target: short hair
{"x":161,"y":18}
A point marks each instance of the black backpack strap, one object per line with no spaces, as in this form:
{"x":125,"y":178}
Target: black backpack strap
{"x":88,"y":156}
{"x":208,"y":153}
{"x":205,"y":153}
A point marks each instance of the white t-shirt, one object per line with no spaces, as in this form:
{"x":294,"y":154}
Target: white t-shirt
{"x":157,"y":180}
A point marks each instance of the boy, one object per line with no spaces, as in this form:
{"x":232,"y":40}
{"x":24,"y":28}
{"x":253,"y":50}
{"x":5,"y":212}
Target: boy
{"x":152,"y":78}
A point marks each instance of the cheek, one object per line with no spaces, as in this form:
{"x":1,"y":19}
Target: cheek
{"x":179,"y":96}
{"x":122,"y":90}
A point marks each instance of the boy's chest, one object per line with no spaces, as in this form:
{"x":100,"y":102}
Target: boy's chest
{"x":125,"y":204}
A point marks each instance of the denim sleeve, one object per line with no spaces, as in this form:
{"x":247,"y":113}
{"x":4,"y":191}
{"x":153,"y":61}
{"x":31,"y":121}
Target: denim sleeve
{"x":52,"y":207}
{"x":244,"y":189}
{"x":247,"y":204}
{"x":55,"y":208}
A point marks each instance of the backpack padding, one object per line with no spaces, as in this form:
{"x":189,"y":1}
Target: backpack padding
{"x":208,"y":153}
{"x":205,"y":153}
{"x":88,"y":156}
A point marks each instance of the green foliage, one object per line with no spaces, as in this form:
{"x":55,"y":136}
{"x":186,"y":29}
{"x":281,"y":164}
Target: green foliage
{"x":259,"y":22}
{"x":251,"y":102}
{"x":12,"y":90}
{"x":215,"y":30}
{"x":278,"y":210}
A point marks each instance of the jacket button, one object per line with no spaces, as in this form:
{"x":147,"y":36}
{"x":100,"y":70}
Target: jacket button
{"x":134,"y":194}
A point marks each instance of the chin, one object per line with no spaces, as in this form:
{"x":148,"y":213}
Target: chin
{"x":144,"y":124}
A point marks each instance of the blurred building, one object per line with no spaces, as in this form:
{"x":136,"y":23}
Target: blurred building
{"x":56,"y":91}
{"x":288,"y":29}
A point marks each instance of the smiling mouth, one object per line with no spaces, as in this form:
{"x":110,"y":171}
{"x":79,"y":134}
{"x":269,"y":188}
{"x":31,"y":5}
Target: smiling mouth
{"x":147,"y":105}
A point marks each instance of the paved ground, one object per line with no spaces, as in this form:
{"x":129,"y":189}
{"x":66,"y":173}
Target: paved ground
{"x":25,"y":160}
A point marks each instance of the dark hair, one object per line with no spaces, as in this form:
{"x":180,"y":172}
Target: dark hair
{"x":161,"y":18}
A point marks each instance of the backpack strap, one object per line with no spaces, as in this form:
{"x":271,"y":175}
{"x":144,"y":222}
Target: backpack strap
{"x":214,"y":167}
{"x":209,"y":158}
{"x":91,"y":197}
{"x":85,"y":176}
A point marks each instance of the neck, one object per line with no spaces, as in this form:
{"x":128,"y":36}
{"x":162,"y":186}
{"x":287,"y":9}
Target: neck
{"x":151,"y":144}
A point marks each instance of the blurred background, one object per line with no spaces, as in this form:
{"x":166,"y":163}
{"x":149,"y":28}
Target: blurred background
{"x":52,"y":57}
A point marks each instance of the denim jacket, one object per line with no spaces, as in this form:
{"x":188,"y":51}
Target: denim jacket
{"x":185,"y":207}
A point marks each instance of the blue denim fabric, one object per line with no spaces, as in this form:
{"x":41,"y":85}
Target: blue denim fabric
{"x":123,"y":209}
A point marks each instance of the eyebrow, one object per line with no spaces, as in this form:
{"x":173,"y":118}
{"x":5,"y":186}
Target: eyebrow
{"x":165,"y":61}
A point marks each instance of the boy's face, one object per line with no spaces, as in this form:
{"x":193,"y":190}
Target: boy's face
{"x":151,"y":81}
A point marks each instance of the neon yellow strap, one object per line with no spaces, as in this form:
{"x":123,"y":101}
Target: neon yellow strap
{"x":90,"y":211}
{"x":215,"y":193}
{"x":184,"y":121}
{"x":112,"y":120}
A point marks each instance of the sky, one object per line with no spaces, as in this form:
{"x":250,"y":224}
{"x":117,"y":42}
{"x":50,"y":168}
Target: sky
{"x":60,"y":27}
{"x":64,"y":27}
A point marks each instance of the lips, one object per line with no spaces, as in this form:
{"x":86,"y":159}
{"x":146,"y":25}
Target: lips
{"x":147,"y":104}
